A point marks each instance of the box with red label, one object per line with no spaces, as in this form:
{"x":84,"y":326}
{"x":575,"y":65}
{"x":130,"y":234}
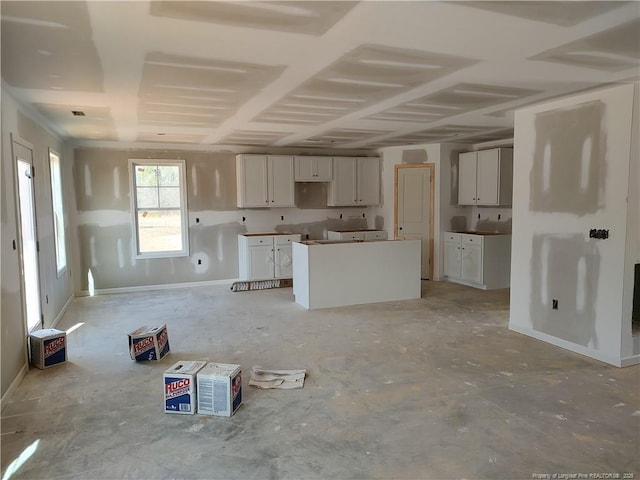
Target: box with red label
{"x":180,"y":387}
{"x":149,"y":343}
{"x":219,"y":389}
{"x":48,"y":347}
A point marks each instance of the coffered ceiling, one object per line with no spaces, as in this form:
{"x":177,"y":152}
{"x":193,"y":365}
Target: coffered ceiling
{"x":306,"y":74}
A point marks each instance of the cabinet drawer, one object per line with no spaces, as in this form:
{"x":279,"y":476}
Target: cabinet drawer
{"x":286,"y":239}
{"x":472,"y":240}
{"x":375,"y":235}
{"x":253,"y":241}
{"x":452,"y":237}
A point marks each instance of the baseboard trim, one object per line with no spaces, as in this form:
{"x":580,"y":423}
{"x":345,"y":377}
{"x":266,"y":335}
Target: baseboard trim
{"x":147,"y":288}
{"x":629,"y":361}
{"x":558,"y":342}
{"x":12,"y":388}
{"x":62,"y":312}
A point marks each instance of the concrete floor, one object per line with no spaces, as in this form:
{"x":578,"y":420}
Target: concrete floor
{"x":434,"y":388}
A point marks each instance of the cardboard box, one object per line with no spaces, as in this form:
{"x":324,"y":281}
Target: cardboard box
{"x":180,"y":391}
{"x":48,"y":347}
{"x":219,"y":389}
{"x":149,"y":343}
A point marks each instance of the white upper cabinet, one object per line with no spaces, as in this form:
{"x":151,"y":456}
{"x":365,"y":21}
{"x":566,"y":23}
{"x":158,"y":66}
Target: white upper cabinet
{"x":313,"y":169}
{"x":265,"y":181}
{"x":486,"y":177}
{"x":356,"y":181}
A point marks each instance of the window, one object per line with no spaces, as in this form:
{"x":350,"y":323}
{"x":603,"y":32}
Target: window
{"x":58,"y":212}
{"x":159,"y":208}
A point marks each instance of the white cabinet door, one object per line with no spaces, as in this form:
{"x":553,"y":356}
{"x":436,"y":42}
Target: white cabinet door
{"x":281,"y":185}
{"x":368,"y":172}
{"x":343,"y":188}
{"x":356,"y":181}
{"x":283,"y":261}
{"x":324,"y":169}
{"x":303,"y":169}
{"x":488,"y":176}
{"x":467,"y":173}
{"x":261,"y":262}
{"x":485,"y":177}
{"x":252,"y":181}
{"x":472,"y":263}
{"x":313,"y":169}
{"x":452,"y":259}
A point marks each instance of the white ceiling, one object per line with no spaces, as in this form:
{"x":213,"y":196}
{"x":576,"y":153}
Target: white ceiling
{"x":357,"y":75}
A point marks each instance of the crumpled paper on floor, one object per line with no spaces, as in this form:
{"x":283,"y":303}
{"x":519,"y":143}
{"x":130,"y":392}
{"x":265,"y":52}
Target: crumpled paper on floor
{"x":283,"y":379}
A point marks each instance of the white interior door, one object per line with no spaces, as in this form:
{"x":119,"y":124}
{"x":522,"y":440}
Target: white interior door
{"x":414,"y":209}
{"x":23,"y":157}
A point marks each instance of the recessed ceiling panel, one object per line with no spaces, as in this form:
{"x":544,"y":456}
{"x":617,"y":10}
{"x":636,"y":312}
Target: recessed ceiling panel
{"x":554,"y":12}
{"x":612,"y":50}
{"x":443,"y":133}
{"x":49,"y":46}
{"x":308,"y":18}
{"x":366,"y":75}
{"x":95,"y":124}
{"x":460,"y":98}
{"x":253,"y":137}
{"x":342,"y":136}
{"x":197,"y":92}
{"x":169,"y":138}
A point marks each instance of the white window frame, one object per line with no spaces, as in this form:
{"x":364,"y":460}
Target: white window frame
{"x":137,"y":255}
{"x":58,"y":211}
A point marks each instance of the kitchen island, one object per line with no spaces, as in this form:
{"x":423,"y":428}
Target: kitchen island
{"x":336,"y":273}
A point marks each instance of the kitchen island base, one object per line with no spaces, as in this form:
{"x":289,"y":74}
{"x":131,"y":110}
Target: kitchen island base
{"x":336,"y":274}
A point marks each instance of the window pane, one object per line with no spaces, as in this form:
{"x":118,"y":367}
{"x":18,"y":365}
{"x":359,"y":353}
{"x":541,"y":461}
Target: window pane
{"x":169,"y":197}
{"x":146,"y":175}
{"x":58,"y":212}
{"x":169,"y":176}
{"x":160,"y":231}
{"x":147,"y":197}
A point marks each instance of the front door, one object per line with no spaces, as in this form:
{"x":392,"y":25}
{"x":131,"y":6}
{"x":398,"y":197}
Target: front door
{"x":414,"y":209}
{"x":23,"y":157}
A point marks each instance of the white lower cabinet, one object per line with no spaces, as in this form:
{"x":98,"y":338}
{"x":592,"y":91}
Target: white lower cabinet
{"x":356,"y":235}
{"x":265,"y":256}
{"x":478,"y":260}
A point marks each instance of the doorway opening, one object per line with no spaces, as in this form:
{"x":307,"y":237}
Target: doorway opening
{"x":25,"y":192}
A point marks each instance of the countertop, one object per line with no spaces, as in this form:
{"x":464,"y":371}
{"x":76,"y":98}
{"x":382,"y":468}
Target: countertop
{"x":267,"y":234}
{"x":469,"y":232}
{"x":349,"y":230}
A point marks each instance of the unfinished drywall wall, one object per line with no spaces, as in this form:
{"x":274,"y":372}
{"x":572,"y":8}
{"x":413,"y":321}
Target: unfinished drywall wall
{"x":55,"y":290}
{"x":569,"y":169}
{"x":553,"y":255}
{"x":565,"y":274}
{"x":103,"y":221}
{"x":490,"y":219}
